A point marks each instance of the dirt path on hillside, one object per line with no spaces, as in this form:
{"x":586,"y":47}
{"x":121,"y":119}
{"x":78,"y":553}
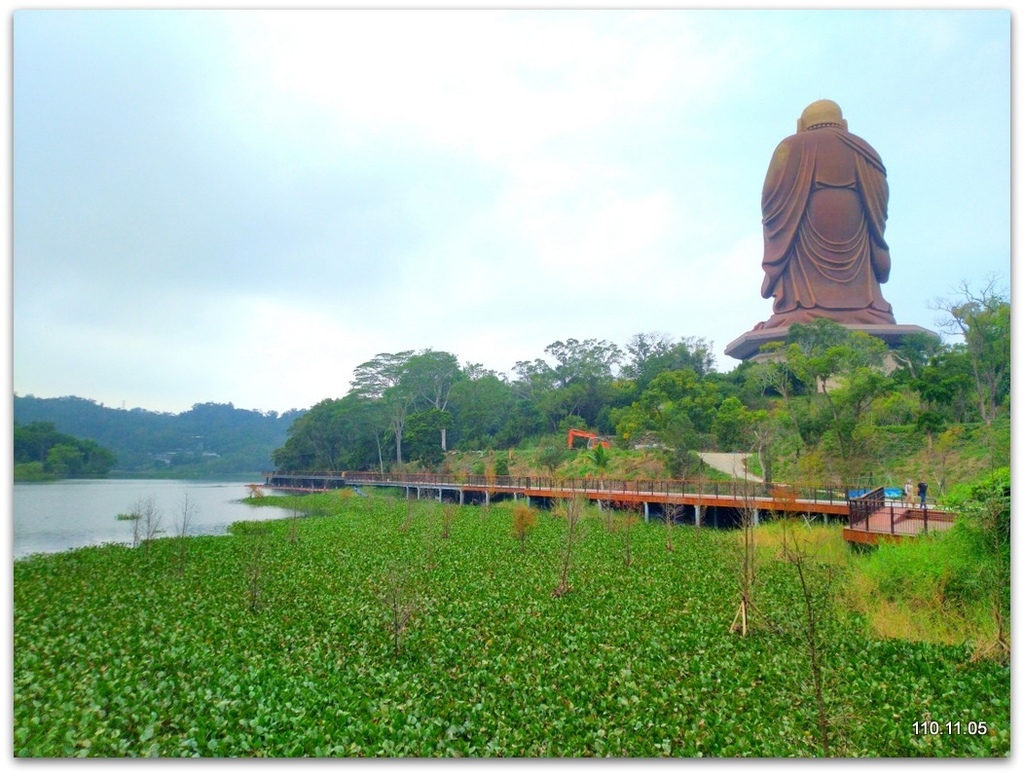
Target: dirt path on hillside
{"x":729,"y":462}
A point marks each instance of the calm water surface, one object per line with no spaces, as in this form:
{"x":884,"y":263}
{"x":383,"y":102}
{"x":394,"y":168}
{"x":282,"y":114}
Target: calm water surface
{"x":57,"y":516}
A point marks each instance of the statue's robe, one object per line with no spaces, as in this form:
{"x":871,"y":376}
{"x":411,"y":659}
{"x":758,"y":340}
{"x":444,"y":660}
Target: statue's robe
{"x":824,"y":207}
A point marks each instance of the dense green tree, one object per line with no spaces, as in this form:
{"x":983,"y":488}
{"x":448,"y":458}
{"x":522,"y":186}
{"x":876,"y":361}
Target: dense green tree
{"x":675,"y":404}
{"x":679,"y":443}
{"x":652,"y":353}
{"x":482,"y":405}
{"x":64,"y":460}
{"x":586,"y":362}
{"x":431,"y":375}
{"x":33,"y":441}
{"x":563,"y":403}
{"x":818,"y":337}
{"x":336,"y":434}
{"x":60,"y":454}
{"x":774,"y":378}
{"x":899,"y":406}
{"x":846,"y":371}
{"x":534,"y":382}
{"x":525,"y":421}
{"x":913,"y":354}
{"x":589,"y":368}
{"x":421,"y":435}
{"x":946,"y":386}
{"x":383,"y":379}
{"x":98,"y":460}
{"x":730,"y":424}
{"x":983,"y":320}
{"x":579,"y":382}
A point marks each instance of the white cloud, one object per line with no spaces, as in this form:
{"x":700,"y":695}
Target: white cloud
{"x":497,"y":84}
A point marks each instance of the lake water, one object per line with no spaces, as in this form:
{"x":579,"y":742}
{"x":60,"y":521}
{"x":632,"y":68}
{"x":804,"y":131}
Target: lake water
{"x":57,"y":516}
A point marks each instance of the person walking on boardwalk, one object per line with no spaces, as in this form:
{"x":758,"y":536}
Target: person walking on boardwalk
{"x":922,"y":492}
{"x":908,"y":493}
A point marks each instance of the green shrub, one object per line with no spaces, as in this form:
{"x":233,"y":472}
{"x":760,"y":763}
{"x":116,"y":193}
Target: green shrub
{"x":31,"y":472}
{"x":501,"y":464}
{"x":958,"y":581}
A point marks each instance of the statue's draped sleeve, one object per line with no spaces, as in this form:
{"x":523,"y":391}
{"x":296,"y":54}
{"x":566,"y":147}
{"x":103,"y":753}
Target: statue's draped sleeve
{"x":787,"y":186}
{"x":874,"y":189}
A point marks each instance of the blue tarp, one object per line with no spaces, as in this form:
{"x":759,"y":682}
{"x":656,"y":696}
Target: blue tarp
{"x":894,"y":493}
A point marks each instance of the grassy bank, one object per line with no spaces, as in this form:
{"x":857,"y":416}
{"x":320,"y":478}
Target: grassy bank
{"x":390,"y":628}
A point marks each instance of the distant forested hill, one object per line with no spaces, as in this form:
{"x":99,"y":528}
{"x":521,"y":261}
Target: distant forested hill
{"x":208,"y":440}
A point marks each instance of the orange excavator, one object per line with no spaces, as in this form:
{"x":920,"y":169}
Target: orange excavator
{"x":593,"y":440}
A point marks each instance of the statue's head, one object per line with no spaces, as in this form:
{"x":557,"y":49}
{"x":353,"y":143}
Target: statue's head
{"x":822,"y":112}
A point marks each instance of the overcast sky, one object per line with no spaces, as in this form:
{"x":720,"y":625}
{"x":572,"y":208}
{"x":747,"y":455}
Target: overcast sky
{"x":244,"y":206}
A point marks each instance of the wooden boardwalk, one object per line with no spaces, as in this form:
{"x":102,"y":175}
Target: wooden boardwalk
{"x":868,"y":518}
{"x":896,"y":523}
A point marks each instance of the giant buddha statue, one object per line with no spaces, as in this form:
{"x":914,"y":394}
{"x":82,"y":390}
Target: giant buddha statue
{"x":824,"y":207}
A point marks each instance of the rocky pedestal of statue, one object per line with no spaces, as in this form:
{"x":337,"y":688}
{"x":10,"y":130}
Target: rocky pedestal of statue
{"x":824,"y":207}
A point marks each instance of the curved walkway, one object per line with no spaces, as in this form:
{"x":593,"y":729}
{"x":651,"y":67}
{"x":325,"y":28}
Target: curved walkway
{"x":729,"y":462}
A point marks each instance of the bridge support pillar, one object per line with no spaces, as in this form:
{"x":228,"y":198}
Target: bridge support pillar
{"x":757,"y":517}
{"x":647,"y":512}
{"x":462,"y":497}
{"x":408,"y":493}
{"x":696,"y":515}
{"x":487,"y":498}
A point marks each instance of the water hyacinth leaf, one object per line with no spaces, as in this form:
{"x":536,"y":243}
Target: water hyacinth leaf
{"x":114,"y":657}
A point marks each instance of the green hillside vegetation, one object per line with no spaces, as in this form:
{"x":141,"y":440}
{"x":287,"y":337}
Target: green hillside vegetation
{"x":41,"y":452}
{"x":828,"y":406}
{"x":208,"y":440}
{"x":383,"y":627}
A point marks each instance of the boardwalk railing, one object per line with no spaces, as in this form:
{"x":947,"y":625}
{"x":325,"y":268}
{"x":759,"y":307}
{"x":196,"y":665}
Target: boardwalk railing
{"x":863,"y":506}
{"x":738,"y":489}
{"x":870,"y":513}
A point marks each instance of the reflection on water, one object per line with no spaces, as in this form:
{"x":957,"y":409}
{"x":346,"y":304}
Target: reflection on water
{"x":57,"y":516}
